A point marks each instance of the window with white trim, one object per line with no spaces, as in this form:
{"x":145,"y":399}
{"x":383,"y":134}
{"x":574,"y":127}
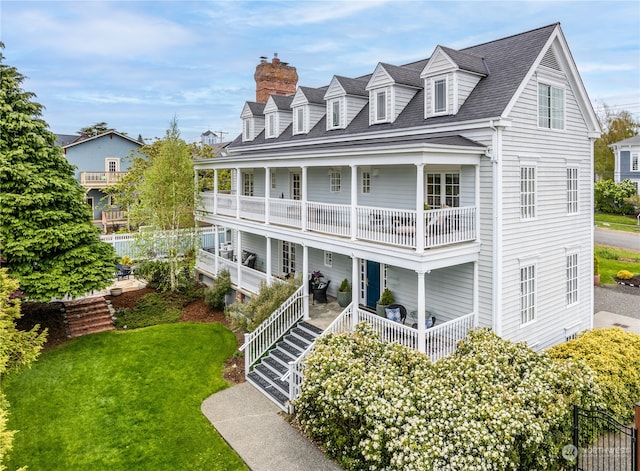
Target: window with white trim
{"x":247,"y":184}
{"x":381,"y":105}
{"x":273,"y":179}
{"x":572,"y":278}
{"x":112,"y":165}
{"x":634,"y":163}
{"x":443,"y":189}
{"x":247,"y":129}
{"x":527,"y":192}
{"x":271,"y":125}
{"x":366,"y":182}
{"x":572,"y":190}
{"x":335,"y":112}
{"x":334,"y":181}
{"x":440,"y":95}
{"x":300,"y":126}
{"x":527,"y":293}
{"x":550,"y":107}
{"x":288,"y":257}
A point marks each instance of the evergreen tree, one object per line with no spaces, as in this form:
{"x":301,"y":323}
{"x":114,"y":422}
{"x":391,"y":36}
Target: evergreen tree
{"x":47,"y":239}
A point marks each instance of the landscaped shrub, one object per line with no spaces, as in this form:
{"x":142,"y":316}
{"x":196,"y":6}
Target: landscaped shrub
{"x":151,"y":309}
{"x":214,"y":296}
{"x":157,"y":274}
{"x":493,"y":405}
{"x":624,"y":275}
{"x":614,"y":356}
{"x":248,"y":316}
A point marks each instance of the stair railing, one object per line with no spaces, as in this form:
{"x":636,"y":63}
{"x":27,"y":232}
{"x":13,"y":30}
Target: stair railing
{"x":340,"y":324}
{"x":258,"y":342}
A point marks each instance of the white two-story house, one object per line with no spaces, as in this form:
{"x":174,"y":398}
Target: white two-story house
{"x":462,"y":182}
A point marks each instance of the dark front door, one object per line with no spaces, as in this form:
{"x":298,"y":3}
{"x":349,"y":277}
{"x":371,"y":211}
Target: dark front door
{"x":373,"y":283}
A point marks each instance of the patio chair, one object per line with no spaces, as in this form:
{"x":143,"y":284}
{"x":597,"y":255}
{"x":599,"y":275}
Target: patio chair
{"x":396,"y":312}
{"x":320,"y":292}
{"x":431,"y":321}
{"x":123,"y":271}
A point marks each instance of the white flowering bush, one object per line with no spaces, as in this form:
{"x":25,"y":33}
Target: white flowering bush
{"x":493,"y":405}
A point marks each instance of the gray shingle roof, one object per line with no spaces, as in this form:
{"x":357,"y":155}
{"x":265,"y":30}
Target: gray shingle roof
{"x":630,"y":141}
{"x":403,"y":75}
{"x":66,"y":139}
{"x":467,"y":61}
{"x":508,"y":60}
{"x":282,"y":102}
{"x":257,"y":109}
{"x":314,"y":95}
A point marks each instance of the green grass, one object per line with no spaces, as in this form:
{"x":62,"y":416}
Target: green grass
{"x":617,"y":222}
{"x":123,"y":400}
{"x":611,"y":260}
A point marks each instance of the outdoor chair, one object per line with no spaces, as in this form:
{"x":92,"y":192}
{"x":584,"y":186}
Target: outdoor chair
{"x":396,"y":312}
{"x":123,"y":271}
{"x":431,"y":321}
{"x":320,"y":292}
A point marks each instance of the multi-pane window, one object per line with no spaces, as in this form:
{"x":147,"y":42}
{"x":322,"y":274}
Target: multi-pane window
{"x":334,"y":181}
{"x":335,"y":113}
{"x":440,"y":95}
{"x":572,"y":190}
{"x":288,"y":257}
{"x":366,"y":182}
{"x":527,"y":293}
{"x":550,"y":107}
{"x":112,"y":165}
{"x":299,"y":122}
{"x":527,"y":192}
{"x":273,"y":180}
{"x":635,"y":166}
{"x":296,"y":186}
{"x":572,"y":278}
{"x":381,"y":106}
{"x":443,"y":189}
{"x":247,"y":184}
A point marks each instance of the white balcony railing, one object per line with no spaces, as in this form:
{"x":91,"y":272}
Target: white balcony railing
{"x":100,"y":179}
{"x":390,"y":226}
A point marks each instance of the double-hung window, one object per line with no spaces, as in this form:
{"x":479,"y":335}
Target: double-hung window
{"x":335,"y":114}
{"x":527,"y":192}
{"x":572,"y":278}
{"x":635,"y":166}
{"x":247,"y":129}
{"x":440,"y":95}
{"x":299,"y":121}
{"x":366,"y":182}
{"x":271,"y":125}
{"x":572,"y":190}
{"x":527,"y":293}
{"x":550,"y":106}
{"x":334,"y":181}
{"x":381,"y":106}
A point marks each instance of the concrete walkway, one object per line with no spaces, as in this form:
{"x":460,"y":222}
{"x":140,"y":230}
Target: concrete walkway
{"x":256,"y":429}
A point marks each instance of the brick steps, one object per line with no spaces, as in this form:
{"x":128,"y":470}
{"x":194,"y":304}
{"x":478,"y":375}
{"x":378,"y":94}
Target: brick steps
{"x":88,"y":316}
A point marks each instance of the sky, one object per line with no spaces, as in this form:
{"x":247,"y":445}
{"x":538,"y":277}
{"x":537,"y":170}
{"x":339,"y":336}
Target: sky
{"x":137,"y":65}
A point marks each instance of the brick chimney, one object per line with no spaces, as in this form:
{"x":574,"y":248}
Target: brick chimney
{"x":274,"y":78}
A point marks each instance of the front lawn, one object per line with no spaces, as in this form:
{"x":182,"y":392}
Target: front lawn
{"x":611,"y":260}
{"x":617,"y":222}
{"x":123,"y":400}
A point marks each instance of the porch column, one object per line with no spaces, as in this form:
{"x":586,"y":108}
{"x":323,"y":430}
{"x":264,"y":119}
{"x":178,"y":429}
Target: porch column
{"x":303,"y":196}
{"x":476,"y":294}
{"x":305,"y":283}
{"x":238,"y":189}
{"x":238,"y":256}
{"x":421,"y":314}
{"x":216,"y":251}
{"x":354,"y":202}
{"x":267,"y":194}
{"x":215,"y":191}
{"x":420,"y":208}
{"x":268,"y":262}
{"x":355,"y":291}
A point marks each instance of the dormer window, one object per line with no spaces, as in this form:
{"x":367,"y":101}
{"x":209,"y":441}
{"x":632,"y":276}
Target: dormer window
{"x":335,"y":112}
{"x":440,"y":96}
{"x":299,"y":121}
{"x":247,"y":130}
{"x":271,"y":125}
{"x":381,"y":106}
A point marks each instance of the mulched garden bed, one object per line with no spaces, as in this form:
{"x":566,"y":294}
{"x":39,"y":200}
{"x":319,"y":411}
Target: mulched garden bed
{"x":635,"y":282}
{"x":49,"y":316}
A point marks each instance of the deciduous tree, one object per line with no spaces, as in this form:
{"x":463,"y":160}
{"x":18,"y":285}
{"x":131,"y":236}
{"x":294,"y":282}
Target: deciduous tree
{"x":47,"y":239}
{"x":616,"y":126}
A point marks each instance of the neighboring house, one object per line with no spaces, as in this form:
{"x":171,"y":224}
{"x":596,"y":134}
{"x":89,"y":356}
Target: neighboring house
{"x":100,"y":162}
{"x":627,"y":160}
{"x":461,"y":182}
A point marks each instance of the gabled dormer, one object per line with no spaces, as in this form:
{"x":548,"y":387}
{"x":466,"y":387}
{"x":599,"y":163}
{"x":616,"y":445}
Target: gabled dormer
{"x":277,"y":114}
{"x":449,"y":78}
{"x":390,"y":89}
{"x":308,"y":108}
{"x":252,"y":120}
{"x":344,"y":99}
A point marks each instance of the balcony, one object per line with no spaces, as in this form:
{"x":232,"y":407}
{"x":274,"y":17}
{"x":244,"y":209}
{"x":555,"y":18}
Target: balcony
{"x":398,"y":227}
{"x":100,"y":179}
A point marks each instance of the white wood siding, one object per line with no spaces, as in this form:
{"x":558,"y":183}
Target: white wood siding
{"x":354,"y":106}
{"x":466,"y":83}
{"x":285,"y":118}
{"x":315,"y":114}
{"x":402,"y":97}
{"x":553,"y":231}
